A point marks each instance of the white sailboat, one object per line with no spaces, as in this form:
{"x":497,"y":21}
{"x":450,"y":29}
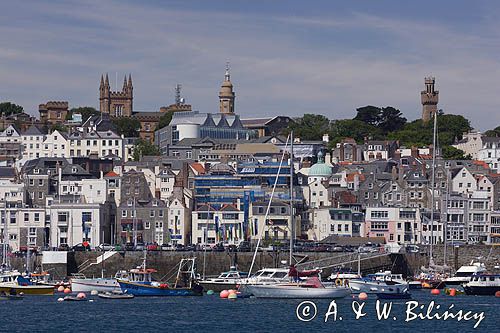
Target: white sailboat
{"x":299,"y":285}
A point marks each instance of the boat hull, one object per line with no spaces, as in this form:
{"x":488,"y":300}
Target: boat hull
{"x":218,"y":286}
{"x":29,"y":290}
{"x":296,"y":292}
{"x":88,"y":285}
{"x":367,"y":287}
{"x":483,"y":290}
{"x":138,"y":289}
{"x":116,"y":296}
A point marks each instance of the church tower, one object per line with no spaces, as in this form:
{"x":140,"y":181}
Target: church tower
{"x":116,"y":103}
{"x":430,"y":98}
{"x":226,"y":94}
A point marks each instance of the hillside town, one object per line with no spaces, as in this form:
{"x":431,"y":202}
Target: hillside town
{"x":68,"y":178}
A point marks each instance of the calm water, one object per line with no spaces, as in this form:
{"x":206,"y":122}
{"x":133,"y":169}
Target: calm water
{"x":209,"y":314}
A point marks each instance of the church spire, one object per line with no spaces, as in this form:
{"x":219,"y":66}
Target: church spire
{"x":106,"y":82}
{"x":102,"y":82}
{"x":124,"y":83}
{"x":130,"y":81}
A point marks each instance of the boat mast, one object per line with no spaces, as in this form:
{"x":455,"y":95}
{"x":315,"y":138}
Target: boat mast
{"x":259,"y":238}
{"x":292,"y":226}
{"x":445,"y":208}
{"x":433,"y":180}
{"x":5,"y":236}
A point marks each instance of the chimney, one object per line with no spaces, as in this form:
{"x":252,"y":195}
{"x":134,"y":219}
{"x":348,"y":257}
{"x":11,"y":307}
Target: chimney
{"x":397,"y":154}
{"x":341,"y":152}
{"x":394,"y":173}
{"x":356,"y":181}
{"x":328,"y":159}
{"x":414,"y":151}
{"x":326,"y":138}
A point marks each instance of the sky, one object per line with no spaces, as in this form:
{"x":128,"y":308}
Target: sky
{"x":286,"y":57}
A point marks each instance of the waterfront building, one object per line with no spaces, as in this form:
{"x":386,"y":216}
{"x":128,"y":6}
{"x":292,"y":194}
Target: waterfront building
{"x":10,"y":145}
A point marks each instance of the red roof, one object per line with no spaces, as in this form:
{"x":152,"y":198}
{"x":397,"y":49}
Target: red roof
{"x":111,"y":174}
{"x":198,"y":168}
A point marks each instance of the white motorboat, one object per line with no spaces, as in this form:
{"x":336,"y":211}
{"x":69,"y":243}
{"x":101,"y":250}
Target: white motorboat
{"x":388,"y":277}
{"x":367,"y":286}
{"x":483,"y":284}
{"x":464,"y":274}
{"x":226,"y":280}
{"x":308,"y":289}
{"x":80,"y":283}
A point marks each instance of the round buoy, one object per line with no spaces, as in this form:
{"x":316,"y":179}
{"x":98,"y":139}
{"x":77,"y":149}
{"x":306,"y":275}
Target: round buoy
{"x":60,"y":299}
{"x":224,"y":294}
{"x":60,"y":289}
{"x":67,"y":290}
{"x":81,"y":295}
{"x":232,"y":296}
{"x":210,"y":292}
{"x":94,"y":293}
{"x":497,"y":294}
{"x":435,"y":291}
{"x":426,"y":285}
{"x":363,"y":296}
{"x":91,"y":300}
{"x":453,"y":292}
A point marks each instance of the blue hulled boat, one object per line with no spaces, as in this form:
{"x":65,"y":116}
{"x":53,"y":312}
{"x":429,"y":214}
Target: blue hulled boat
{"x":140,"y":282}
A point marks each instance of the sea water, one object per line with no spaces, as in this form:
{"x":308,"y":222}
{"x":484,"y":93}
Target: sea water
{"x":212,"y":314}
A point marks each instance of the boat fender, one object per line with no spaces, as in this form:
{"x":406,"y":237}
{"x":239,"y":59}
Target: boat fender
{"x":338,"y":282}
{"x":163,"y":286}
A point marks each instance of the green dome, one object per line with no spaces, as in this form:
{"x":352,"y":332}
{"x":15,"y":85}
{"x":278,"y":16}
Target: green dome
{"x":320,"y":169}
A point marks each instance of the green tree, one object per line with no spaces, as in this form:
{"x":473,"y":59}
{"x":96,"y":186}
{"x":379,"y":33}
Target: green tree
{"x":391,"y":119}
{"x":493,"y":132}
{"x":85,"y":111}
{"x":452,"y":153}
{"x":58,"y":127}
{"x":165,"y":119}
{"x":129,"y":127}
{"x":145,"y":148}
{"x":368,"y":114}
{"x":8,"y":108}
{"x":352,"y":128}
{"x":309,"y":127}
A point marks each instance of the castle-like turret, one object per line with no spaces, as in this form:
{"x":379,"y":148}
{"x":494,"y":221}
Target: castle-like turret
{"x":116,"y":103}
{"x":430,"y":98}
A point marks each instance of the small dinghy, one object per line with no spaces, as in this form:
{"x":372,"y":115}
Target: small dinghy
{"x":115,"y":295}
{"x":74,"y":299}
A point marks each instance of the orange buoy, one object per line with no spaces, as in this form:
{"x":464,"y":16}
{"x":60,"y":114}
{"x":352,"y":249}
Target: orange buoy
{"x":224,"y":294}
{"x":497,"y":294}
{"x":81,"y":295}
{"x":67,"y":290}
{"x":453,"y":292}
{"x":435,"y":291}
{"x":363,"y":296}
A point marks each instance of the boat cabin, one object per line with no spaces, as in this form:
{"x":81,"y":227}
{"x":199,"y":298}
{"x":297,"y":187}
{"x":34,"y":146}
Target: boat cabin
{"x":141,"y":275}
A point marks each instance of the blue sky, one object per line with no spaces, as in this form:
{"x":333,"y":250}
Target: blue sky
{"x":287,"y":57}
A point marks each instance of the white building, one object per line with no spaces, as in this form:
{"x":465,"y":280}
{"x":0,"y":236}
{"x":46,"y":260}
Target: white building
{"x":490,"y":152}
{"x":336,"y":221}
{"x":470,"y":144}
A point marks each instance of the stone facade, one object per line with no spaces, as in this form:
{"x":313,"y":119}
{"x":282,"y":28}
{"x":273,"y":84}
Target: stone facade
{"x":53,"y":112}
{"x":116,"y":103}
{"x":429,"y":98}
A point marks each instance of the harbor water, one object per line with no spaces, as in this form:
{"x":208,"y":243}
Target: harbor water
{"x":210,"y":314}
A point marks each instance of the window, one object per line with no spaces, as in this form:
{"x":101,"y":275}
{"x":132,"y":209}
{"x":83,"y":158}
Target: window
{"x":160,"y":213}
{"x":378,"y":225}
{"x":37,"y":217}
{"x":189,"y":154}
{"x":379,"y":214}
{"x":147,"y":225}
{"x":152,"y":213}
{"x":124,"y":213}
{"x":26,"y":217}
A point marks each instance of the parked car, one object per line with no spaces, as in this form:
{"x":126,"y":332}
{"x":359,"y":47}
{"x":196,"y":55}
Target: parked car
{"x":166,"y":247}
{"x":81,"y":247}
{"x":63,"y":247}
{"x":190,"y":247}
{"x":335,"y":248}
{"x":140,"y":247}
{"x":129,"y":246}
{"x":179,"y":247}
{"x":244,"y":246}
{"x":105,"y":247}
{"x":412,"y":249}
{"x":231,"y":248}
{"x":219,"y":247}
{"x":153,"y":247}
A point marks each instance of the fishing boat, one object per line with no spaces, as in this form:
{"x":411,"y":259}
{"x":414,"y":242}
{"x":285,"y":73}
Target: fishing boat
{"x":140,"y":282}
{"x":464,"y":273}
{"x":14,"y":282}
{"x":80,"y":283}
{"x":115,"y":295}
{"x":394,"y":292}
{"x":483,"y":284}
{"x":388,"y":277}
{"x":45,"y":279}
{"x":226,"y":280}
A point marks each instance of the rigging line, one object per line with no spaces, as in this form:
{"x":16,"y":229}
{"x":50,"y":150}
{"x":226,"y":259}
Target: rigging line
{"x":269,"y":205}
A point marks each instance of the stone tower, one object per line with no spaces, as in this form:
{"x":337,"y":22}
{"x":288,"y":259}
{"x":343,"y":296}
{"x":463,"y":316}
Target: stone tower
{"x":226,"y":94}
{"x":116,"y":103}
{"x":430,"y":98}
